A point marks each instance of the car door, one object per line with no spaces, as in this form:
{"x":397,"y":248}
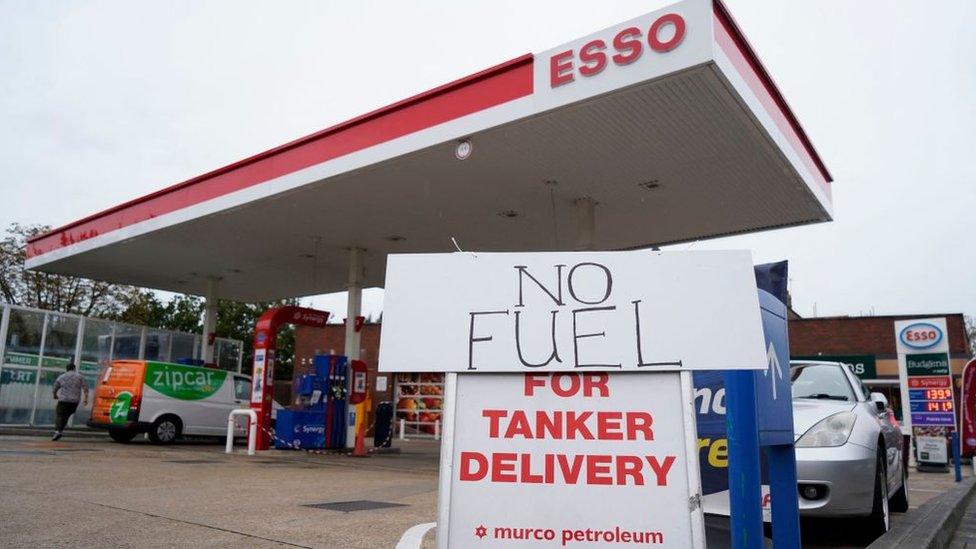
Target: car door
{"x":891,"y":435}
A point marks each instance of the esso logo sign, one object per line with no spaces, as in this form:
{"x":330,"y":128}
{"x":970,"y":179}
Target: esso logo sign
{"x":921,"y":335}
{"x":627,"y":46}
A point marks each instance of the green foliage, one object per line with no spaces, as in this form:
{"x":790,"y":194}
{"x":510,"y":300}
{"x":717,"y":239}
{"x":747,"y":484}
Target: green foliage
{"x":66,"y":294}
{"x":236,"y":320}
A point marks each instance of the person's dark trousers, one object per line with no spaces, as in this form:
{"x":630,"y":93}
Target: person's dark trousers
{"x":62,"y":413}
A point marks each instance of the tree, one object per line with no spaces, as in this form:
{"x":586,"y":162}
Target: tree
{"x":66,"y":294}
{"x":183,"y":313}
{"x":236,"y":320}
{"x":971,"y":332}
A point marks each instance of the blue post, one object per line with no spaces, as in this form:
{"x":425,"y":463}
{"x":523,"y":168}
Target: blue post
{"x":744,"y":473}
{"x":782,"y":488}
{"x":956,"y":457}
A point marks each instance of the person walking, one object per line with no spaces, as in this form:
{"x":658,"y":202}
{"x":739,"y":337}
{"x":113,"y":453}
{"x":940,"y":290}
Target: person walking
{"x":67,"y":391}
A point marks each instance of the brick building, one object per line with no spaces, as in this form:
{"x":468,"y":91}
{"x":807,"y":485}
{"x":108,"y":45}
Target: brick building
{"x":871,"y":338}
{"x":868,"y":344}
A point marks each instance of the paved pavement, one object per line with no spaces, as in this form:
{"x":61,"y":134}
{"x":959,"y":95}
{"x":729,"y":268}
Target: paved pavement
{"x":965,"y":536}
{"x":85,"y":491}
{"x":92,"y":492}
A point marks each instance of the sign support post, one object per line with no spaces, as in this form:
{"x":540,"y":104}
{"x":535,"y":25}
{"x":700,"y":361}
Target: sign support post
{"x":744,"y":470}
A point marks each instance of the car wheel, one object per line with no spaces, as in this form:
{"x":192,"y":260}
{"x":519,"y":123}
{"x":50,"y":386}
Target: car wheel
{"x":164,"y":430}
{"x":899,"y":501}
{"x":878,"y":521}
{"x":122,"y":435}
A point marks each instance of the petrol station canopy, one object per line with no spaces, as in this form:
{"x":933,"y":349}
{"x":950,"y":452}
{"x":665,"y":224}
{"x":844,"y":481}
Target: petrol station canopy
{"x":668,"y":123}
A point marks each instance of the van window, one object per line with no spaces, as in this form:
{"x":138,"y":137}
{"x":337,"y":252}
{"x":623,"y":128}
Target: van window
{"x":242,"y":388}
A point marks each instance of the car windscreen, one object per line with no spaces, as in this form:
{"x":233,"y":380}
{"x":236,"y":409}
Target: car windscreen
{"x":820,"y":381}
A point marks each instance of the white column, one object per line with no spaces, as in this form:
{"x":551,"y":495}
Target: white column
{"x":354,"y":307}
{"x":209,"y":320}
{"x":585,"y":223}
{"x":354,"y":303}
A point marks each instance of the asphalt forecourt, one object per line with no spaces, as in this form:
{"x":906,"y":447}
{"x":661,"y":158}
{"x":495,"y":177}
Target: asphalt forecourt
{"x":88,"y":491}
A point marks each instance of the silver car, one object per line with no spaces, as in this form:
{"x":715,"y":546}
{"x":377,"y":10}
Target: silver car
{"x":848,"y":453}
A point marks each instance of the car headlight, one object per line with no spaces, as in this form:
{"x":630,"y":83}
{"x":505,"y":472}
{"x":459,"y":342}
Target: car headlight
{"x":831,"y":431}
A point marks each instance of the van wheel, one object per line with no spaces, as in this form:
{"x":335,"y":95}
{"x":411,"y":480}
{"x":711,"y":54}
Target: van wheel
{"x":877,"y":523}
{"x":122,"y":435}
{"x":899,"y":501}
{"x":165,"y":430}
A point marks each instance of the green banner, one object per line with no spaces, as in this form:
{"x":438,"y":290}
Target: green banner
{"x":864,"y":366}
{"x":927,"y":364}
{"x":184,"y":382}
{"x":25,"y":359}
{"x":17,"y":375}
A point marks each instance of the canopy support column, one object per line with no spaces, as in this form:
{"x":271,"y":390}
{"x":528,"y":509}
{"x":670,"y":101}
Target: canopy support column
{"x":354,"y":307}
{"x":585,"y":223}
{"x":210,"y":320}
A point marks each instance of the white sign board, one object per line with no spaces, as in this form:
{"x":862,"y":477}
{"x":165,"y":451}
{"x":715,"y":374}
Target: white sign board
{"x":571,"y":460}
{"x":932,"y":449}
{"x":571,"y":311}
{"x":925,"y":373}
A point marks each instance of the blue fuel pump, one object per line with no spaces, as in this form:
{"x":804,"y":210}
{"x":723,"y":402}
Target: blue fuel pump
{"x":316,"y":419}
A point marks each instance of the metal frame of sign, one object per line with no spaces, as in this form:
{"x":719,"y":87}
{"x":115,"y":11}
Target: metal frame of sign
{"x":447,"y":455}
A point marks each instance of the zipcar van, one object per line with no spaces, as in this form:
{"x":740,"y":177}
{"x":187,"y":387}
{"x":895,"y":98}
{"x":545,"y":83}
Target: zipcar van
{"x":166,"y":400}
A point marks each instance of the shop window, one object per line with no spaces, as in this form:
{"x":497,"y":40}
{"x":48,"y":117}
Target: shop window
{"x":419,"y":401}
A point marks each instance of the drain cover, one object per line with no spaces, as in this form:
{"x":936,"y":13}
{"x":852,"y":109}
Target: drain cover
{"x":357,"y":505}
{"x":190,"y":461}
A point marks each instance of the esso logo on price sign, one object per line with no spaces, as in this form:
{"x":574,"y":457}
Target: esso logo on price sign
{"x":623,"y":48}
{"x":921,"y":335}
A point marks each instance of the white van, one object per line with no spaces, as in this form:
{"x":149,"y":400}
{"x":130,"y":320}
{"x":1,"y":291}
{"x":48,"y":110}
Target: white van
{"x":166,"y":400}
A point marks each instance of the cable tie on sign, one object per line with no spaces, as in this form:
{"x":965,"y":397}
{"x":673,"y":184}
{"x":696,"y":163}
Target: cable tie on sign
{"x":454,"y":240}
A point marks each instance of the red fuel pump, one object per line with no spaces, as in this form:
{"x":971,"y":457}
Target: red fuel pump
{"x":265,"y":346}
{"x":359,"y":382}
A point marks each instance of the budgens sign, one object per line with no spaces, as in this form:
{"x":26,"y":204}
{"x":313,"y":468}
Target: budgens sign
{"x":183,"y":382}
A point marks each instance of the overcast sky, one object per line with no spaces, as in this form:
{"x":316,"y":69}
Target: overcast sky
{"x":101,"y":102}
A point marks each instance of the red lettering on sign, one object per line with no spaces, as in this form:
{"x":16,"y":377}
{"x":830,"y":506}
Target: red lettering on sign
{"x":527,"y":475}
{"x":493,"y":418}
{"x":503,"y":467}
{"x":639,"y":422}
{"x":661,"y":469}
{"x":561,"y":69}
{"x":577,"y":424}
{"x":557,"y":385}
{"x":570,"y":473}
{"x":473,"y":458}
{"x":598,"y":469}
{"x":668,"y":45}
{"x":518,"y":426}
{"x":608,"y":426}
{"x":593,"y":58}
{"x":627,"y":48}
{"x":629,"y":466}
{"x":628,"y":45}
